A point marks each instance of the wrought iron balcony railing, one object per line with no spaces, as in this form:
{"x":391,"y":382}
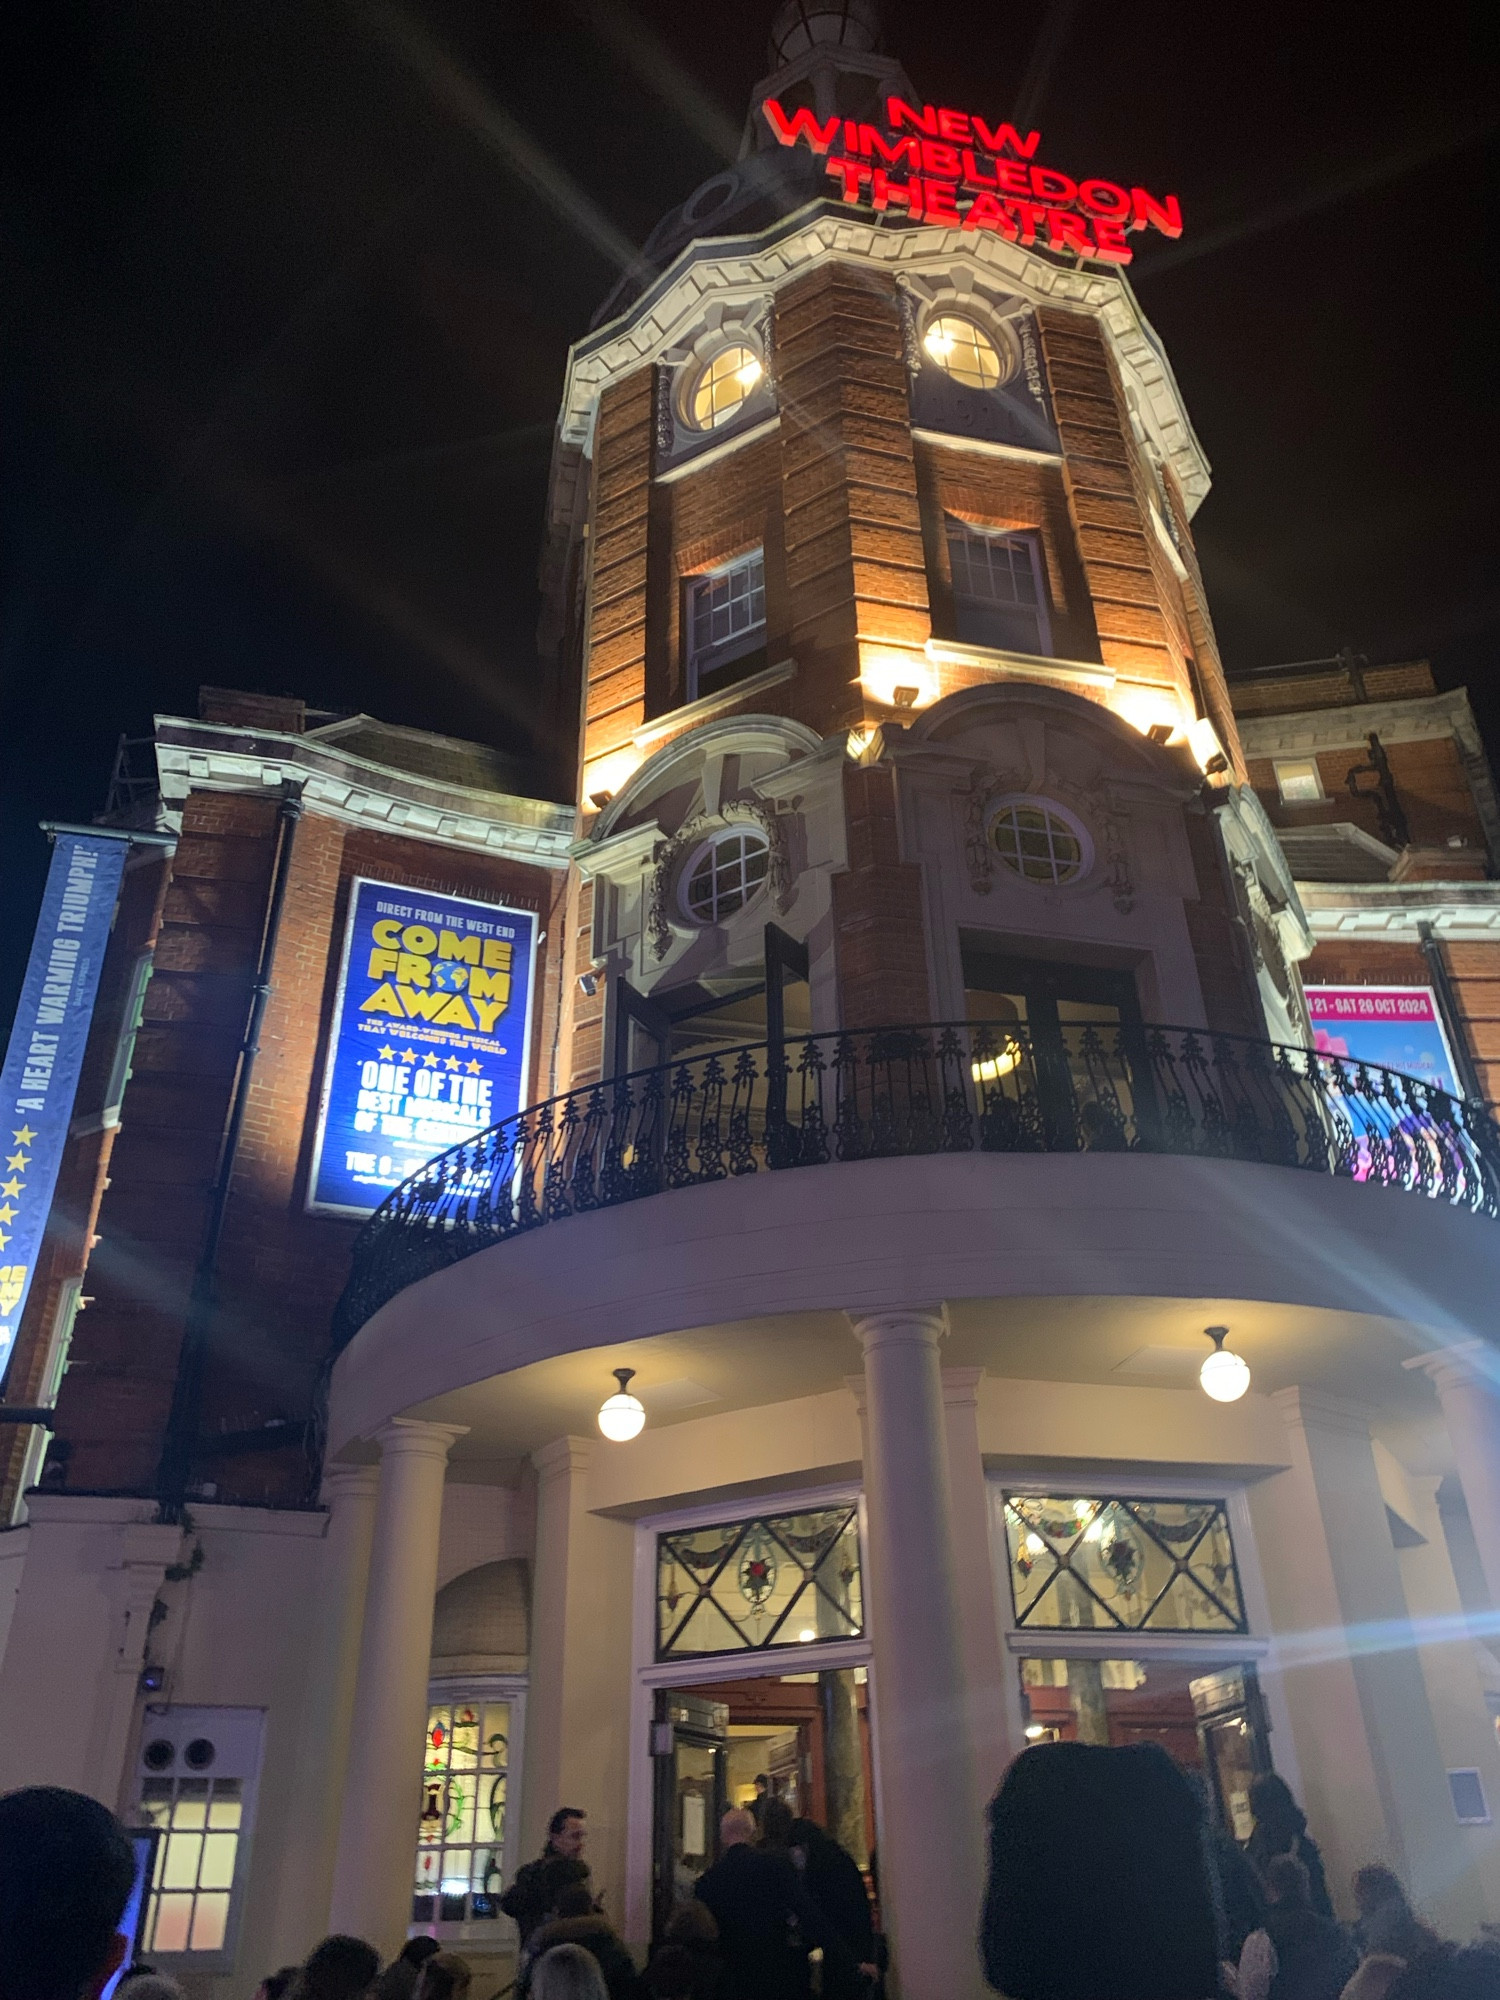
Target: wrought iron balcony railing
{"x":958,"y":1087}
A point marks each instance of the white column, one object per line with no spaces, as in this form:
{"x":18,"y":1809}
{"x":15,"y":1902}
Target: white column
{"x":1376,"y":1788}
{"x":931,"y":1829}
{"x":1467,"y":1379}
{"x":376,"y":1858}
{"x":974,"y":1565}
{"x":306,"y":1867}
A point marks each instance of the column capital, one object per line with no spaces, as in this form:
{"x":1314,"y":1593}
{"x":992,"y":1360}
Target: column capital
{"x":961,"y":1387}
{"x":412,"y":1437}
{"x":1463,"y":1364}
{"x":347,"y":1482}
{"x":561,"y":1458}
{"x":1312,"y":1409}
{"x":899,"y":1326}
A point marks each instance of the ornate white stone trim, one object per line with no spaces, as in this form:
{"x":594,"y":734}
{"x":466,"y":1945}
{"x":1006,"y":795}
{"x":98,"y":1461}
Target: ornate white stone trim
{"x":740,"y":269}
{"x":709,"y":705}
{"x":744,"y":810}
{"x":1414,"y":720}
{"x":985,"y":447}
{"x":1024,"y":666}
{"x":215,"y":757}
{"x":1460,"y":910}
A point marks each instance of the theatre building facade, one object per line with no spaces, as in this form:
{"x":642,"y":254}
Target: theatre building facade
{"x":951,"y":1014}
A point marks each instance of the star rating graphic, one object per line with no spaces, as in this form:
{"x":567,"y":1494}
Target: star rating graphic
{"x":474,"y":1068}
{"x":429,"y":1062}
{"x":453,"y":1063}
{"x":7,"y":1213}
{"x":24,"y":1137}
{"x":12,"y":1186}
{"x":387,"y":1055}
{"x":18,"y":1162}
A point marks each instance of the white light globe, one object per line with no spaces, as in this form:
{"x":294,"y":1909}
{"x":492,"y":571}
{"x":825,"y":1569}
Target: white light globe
{"x":1224,"y":1376}
{"x":622,"y":1417}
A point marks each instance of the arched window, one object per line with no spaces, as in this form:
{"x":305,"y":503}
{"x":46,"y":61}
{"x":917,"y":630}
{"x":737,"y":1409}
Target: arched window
{"x":722,"y":385}
{"x":1038,"y":842}
{"x":724,"y":874}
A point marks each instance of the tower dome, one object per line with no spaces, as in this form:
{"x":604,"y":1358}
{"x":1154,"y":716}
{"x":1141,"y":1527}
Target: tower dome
{"x":802,"y":26}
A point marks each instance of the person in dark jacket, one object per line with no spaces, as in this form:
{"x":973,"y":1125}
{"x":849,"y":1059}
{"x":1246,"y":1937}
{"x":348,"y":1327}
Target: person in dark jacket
{"x":399,"y":1980}
{"x":1099,"y":1886}
{"x":1281,"y":1828}
{"x":831,"y":1876}
{"x":688,"y":1964}
{"x":532,"y":1898}
{"x":1388,"y":1925}
{"x":1298,"y":1954}
{"x":1238,"y":1897}
{"x":578,"y":1922}
{"x":756,"y":1897}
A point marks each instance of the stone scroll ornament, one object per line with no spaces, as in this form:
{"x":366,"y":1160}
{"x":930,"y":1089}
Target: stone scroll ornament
{"x":744,"y":810}
{"x":1095,"y":806}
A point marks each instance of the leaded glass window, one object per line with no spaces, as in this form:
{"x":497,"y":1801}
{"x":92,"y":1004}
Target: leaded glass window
{"x":195,"y":1860}
{"x":461,"y":1824}
{"x":1109,"y":1565}
{"x":747,"y":1586}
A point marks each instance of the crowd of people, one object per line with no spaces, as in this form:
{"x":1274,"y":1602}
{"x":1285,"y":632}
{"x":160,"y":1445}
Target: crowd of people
{"x":1107,"y":1881}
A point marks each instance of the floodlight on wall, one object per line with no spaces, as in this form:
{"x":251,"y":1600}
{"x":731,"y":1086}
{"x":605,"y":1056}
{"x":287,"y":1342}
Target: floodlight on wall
{"x":1224,"y":1375}
{"x":622,"y":1416}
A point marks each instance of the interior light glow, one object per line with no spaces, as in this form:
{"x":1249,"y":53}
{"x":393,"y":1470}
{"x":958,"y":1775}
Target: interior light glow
{"x":1035,"y":1730}
{"x":990,"y":1069}
{"x":938,"y":341}
{"x":806,"y":1635}
{"x":750,"y":374}
{"x":1224,"y":1375}
{"x":622,"y":1416}
{"x":454,"y":1885}
{"x":1035,"y":1545}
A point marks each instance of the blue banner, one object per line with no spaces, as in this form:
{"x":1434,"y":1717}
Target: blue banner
{"x":45,"y":1054}
{"x":430,"y":1038}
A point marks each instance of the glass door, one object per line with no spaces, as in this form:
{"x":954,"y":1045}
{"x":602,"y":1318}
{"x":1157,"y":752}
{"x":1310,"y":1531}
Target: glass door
{"x":690,"y":1742}
{"x":1080,"y":1026}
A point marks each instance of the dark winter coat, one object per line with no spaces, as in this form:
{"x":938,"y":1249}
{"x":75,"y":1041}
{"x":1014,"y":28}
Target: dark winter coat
{"x":756,"y":1896}
{"x":596,"y":1934}
{"x":532,"y":1897}
{"x":1315,"y":1959}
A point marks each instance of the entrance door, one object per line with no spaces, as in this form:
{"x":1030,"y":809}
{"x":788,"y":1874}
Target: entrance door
{"x":1082,"y":1027}
{"x":1234,"y":1732}
{"x":691,"y":1779}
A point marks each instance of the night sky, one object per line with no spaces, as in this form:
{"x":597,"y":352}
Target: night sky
{"x":285,"y":311}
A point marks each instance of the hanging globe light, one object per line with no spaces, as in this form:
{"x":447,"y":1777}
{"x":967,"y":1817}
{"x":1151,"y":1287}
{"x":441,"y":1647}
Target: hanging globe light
{"x":622,"y":1416}
{"x":1224,"y":1375}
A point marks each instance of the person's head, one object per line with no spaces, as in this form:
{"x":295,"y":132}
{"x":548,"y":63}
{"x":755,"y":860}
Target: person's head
{"x":1287,"y":1883}
{"x":340,"y":1968}
{"x":444,"y":1976}
{"x":1376,"y":1886}
{"x":736,"y":1828}
{"x":416,"y":1951}
{"x":776,"y":1822}
{"x":275,"y":1984}
{"x":762,"y":1784}
{"x":809,"y":1836}
{"x":1276,"y":1812}
{"x":568,"y":1972}
{"x":692,"y":1923}
{"x":1081,"y":1812}
{"x":575,"y":1900}
{"x":66,"y":1869}
{"x":150,"y":1986}
{"x":566,"y":1832}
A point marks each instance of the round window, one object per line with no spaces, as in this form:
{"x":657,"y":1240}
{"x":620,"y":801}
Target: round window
{"x":722,"y":386}
{"x":962,"y":348}
{"x":1038,"y":842}
{"x":723,"y":876}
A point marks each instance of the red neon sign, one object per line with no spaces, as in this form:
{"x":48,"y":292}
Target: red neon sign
{"x":957,"y":169}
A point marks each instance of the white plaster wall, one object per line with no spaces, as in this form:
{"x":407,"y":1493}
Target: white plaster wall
{"x":481,"y":1524}
{"x":876,"y":1233}
{"x":13,"y":1545}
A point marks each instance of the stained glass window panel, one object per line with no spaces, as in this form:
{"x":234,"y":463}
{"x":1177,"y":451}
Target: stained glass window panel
{"x":747,"y":1586}
{"x":459,"y":1873}
{"x":1102,"y":1564}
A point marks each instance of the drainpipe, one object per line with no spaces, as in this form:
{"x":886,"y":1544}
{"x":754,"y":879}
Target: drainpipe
{"x":1447,"y":1005}
{"x":187,"y":1393}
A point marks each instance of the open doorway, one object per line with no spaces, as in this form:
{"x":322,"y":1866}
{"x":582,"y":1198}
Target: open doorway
{"x":805,"y":1735}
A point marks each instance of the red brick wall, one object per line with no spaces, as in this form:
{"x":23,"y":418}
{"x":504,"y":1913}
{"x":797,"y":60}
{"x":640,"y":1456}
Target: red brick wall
{"x":615,"y":671}
{"x":880,"y":940}
{"x":1430,"y":783}
{"x":280,"y":1270}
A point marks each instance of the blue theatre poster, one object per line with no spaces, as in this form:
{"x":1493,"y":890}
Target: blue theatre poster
{"x":1396,"y":1026}
{"x":430,"y":1038}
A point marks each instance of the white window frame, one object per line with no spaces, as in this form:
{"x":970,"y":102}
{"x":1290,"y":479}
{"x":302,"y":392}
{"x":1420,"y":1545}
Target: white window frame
{"x":447,"y":1689}
{"x":1031,"y":540}
{"x":716,"y":840}
{"x":704,"y":659}
{"x":1212,"y":1650}
{"x":182,"y":1722}
{"x":1283,"y":766}
{"x":649,"y":1673}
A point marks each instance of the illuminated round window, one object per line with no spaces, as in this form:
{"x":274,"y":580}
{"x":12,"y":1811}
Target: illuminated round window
{"x":963,"y":348}
{"x":1038,"y":843}
{"x":722,"y":386}
{"x":724,"y":875}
